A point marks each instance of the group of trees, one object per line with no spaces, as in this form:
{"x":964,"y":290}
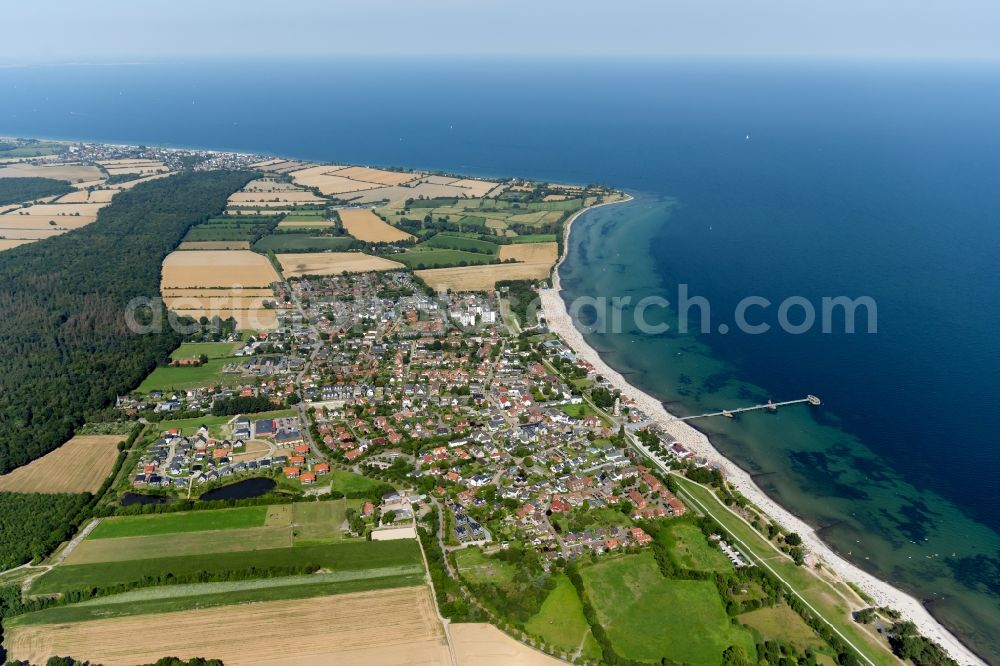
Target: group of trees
{"x":32,"y":525}
{"x":16,"y":190}
{"x":68,"y":346}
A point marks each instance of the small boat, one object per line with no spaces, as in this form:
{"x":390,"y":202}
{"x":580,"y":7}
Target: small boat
{"x":773,"y":407}
{"x":728,"y":414}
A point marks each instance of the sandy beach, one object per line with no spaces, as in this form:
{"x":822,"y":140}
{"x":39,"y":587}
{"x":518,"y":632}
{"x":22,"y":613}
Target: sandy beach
{"x":560,"y":323}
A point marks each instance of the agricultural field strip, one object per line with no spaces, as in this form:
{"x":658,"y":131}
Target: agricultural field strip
{"x":174,"y":523}
{"x":197,"y":589}
{"x":123,"y":549}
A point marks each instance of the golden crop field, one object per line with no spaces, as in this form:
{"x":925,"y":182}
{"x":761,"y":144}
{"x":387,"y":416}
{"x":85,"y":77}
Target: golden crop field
{"x":531,"y":253}
{"x":63,"y":222}
{"x":7,"y":244}
{"x":324,"y":630}
{"x":367,"y":226}
{"x":69,"y":172}
{"x":63,"y":210}
{"x":217,"y":268}
{"x":78,"y":466}
{"x":485,"y":645}
{"x":476,"y":188}
{"x":254,"y":198}
{"x":21,"y":232}
{"x":377,"y":176}
{"x":333,"y":263}
{"x":305,"y":224}
{"x":129,"y":184}
{"x":480,"y":278}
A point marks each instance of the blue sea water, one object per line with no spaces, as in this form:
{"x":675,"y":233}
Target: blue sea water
{"x":759,"y":179}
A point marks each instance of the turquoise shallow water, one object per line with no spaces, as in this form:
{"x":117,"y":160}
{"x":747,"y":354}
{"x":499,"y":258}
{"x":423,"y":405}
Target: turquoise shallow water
{"x":855,"y":180}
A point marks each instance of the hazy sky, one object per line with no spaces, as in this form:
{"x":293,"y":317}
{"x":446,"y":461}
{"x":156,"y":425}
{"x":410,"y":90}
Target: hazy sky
{"x":102,"y":30}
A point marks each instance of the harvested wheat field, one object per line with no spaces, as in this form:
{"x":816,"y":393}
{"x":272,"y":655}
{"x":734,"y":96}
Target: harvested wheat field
{"x":73,"y":173}
{"x":377,"y":176}
{"x":251,"y":198}
{"x":531,"y":253}
{"x":480,"y":278}
{"x":214,"y":245}
{"x":334,"y":263}
{"x":78,"y":466}
{"x":23,"y":233}
{"x":217,"y":268}
{"x":21,"y":221}
{"x":484,"y":645}
{"x":129,"y":184}
{"x":325,"y":630}
{"x":8,"y":244}
{"x":305,"y":224}
{"x":369,"y":227}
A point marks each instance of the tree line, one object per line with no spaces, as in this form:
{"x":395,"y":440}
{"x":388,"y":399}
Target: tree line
{"x":68,"y":350}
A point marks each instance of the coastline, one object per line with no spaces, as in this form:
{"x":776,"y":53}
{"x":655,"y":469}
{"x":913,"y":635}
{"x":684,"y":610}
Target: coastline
{"x":559,"y":321}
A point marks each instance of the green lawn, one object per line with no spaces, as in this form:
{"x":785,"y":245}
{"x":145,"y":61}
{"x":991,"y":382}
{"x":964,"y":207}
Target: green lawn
{"x":207,"y":595}
{"x":580,"y":411}
{"x":172,"y":523}
{"x":560,"y":621}
{"x":648,"y":617}
{"x":167,"y":378}
{"x":352,"y":484}
{"x":689,"y":549}
{"x":336,"y":556}
{"x":209,"y":349}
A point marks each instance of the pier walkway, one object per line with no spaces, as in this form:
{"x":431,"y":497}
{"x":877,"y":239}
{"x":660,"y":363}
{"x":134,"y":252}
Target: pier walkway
{"x":773,"y":406}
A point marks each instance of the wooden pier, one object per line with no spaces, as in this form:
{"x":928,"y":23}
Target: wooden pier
{"x":772,"y":406}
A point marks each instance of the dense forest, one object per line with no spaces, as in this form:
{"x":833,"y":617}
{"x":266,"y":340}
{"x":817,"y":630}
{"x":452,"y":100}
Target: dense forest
{"x":68,"y":350}
{"x":32,"y":525}
{"x":14,"y":190}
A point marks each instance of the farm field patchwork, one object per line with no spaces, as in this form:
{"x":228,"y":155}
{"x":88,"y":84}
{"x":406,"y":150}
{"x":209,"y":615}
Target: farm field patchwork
{"x":80,"y":465}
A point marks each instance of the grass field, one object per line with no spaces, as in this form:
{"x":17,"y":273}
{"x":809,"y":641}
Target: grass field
{"x":334,"y":556}
{"x":174,"y":523}
{"x":80,"y":465}
{"x":350,"y":483}
{"x":478,"y":568}
{"x":166,"y":378}
{"x":560,"y":621}
{"x":304,"y":242}
{"x":784,"y":624}
{"x":689,"y":549}
{"x":319,"y":521}
{"x":131,"y":549}
{"x":422,"y":257}
{"x":451,"y":242}
{"x":534,"y":238}
{"x":209,"y":349}
{"x":380,"y":627}
{"x":648,"y":617}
